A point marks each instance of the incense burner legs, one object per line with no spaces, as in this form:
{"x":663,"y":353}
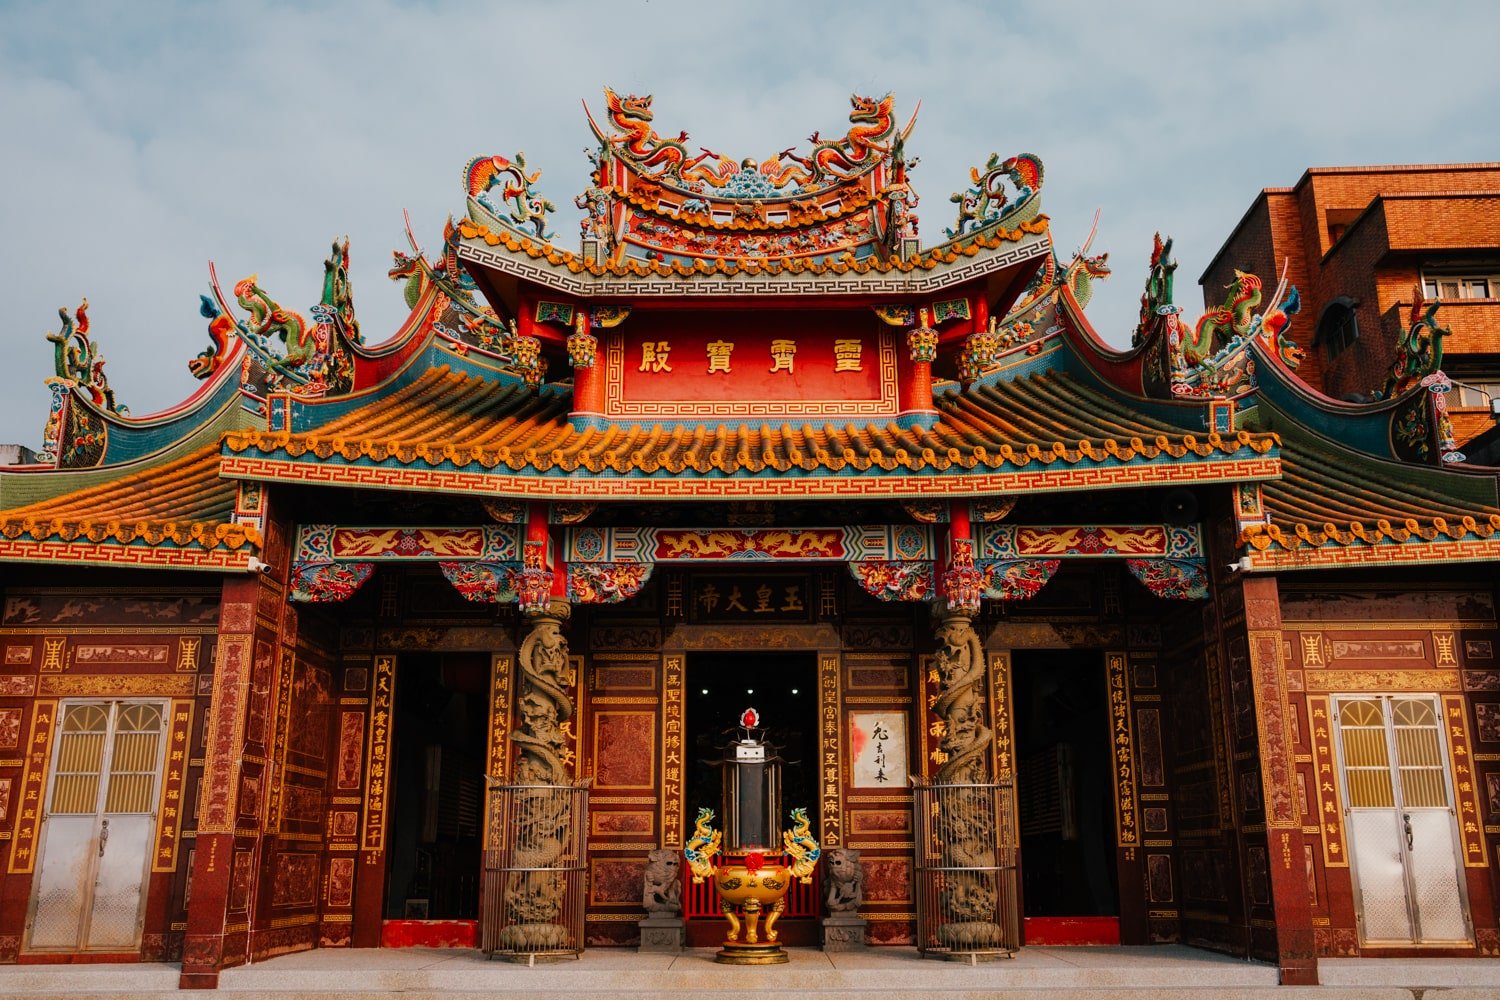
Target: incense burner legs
{"x":755,"y":891}
{"x":748,"y":884}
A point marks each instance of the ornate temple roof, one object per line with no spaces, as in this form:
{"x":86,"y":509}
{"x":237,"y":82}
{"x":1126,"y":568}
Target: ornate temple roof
{"x":483,"y":389}
{"x":923,"y":273}
{"x":452,"y":432}
{"x":1332,"y":508}
{"x":663,"y":220}
{"x":175,"y":514}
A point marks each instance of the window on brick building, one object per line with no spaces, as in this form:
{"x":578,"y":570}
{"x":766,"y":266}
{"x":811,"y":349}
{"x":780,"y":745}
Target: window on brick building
{"x":1461,"y":286}
{"x":1338,"y":328}
{"x":1476,"y":391}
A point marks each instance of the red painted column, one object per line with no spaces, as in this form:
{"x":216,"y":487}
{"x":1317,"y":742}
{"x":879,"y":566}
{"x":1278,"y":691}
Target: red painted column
{"x":370,"y":868}
{"x":588,"y":376}
{"x":1295,"y":953}
{"x":203,"y":952}
{"x":915,"y":390}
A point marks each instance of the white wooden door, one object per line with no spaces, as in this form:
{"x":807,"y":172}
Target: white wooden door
{"x":1403,"y":831}
{"x":98,"y":821}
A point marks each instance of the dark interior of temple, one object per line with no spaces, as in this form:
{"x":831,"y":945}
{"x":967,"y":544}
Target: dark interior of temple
{"x":1064,"y":787}
{"x":437,"y":786}
{"x":782,"y":687}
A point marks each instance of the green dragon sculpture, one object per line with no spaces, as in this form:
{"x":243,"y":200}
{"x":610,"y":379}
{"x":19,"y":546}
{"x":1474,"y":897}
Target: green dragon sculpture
{"x":1158,"y":293}
{"x":269,"y":319}
{"x":801,"y":846}
{"x":527,"y":207}
{"x":76,"y":358}
{"x":985,"y":203}
{"x":702,"y":846}
{"x":1217,"y":327}
{"x":1419,"y":352}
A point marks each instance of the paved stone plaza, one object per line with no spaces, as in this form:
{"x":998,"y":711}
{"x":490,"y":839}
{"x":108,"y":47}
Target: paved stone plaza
{"x":1166,"y":972}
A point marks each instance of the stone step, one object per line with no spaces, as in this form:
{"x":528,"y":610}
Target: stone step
{"x":1169,"y":973}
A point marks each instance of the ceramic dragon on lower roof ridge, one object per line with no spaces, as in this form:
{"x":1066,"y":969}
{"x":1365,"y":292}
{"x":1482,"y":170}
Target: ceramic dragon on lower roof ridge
{"x":1419,"y":350}
{"x":1034,"y":316}
{"x":76,"y":358}
{"x":1211,"y":357}
{"x":986,"y":203}
{"x":518,"y":204}
{"x":458,"y":313}
{"x":1217,"y":327}
{"x":314,"y":358}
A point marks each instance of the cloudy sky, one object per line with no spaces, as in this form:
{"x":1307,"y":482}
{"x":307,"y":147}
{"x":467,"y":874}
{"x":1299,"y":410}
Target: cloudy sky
{"x":141,"y":140}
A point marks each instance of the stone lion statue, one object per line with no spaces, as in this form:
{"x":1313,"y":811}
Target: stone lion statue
{"x":843,"y":880}
{"x":662,"y":895}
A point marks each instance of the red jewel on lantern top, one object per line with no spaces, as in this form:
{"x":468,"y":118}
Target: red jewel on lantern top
{"x":750,"y":719}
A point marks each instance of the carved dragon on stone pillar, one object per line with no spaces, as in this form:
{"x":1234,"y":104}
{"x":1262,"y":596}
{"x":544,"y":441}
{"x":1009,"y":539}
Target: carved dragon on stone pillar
{"x":535,"y":898}
{"x":968,"y":830}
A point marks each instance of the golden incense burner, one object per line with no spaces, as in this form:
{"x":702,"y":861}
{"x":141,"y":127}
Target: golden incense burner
{"x":752,"y":884}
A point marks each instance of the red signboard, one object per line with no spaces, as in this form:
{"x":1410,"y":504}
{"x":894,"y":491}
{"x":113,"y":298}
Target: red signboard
{"x":774,"y":364}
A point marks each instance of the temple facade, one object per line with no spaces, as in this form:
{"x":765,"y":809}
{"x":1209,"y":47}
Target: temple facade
{"x":1223,"y":646}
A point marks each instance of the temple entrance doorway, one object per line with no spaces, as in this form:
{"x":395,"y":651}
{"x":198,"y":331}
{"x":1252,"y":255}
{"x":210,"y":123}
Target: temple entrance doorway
{"x":439,"y":732}
{"x":1069,"y":875}
{"x":782,"y":686}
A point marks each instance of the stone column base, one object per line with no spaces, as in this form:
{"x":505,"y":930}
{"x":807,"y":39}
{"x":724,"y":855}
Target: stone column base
{"x":662,"y":934}
{"x":844,"y":932}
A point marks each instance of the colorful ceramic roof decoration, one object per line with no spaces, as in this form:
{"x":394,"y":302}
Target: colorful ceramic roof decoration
{"x":764,"y":327}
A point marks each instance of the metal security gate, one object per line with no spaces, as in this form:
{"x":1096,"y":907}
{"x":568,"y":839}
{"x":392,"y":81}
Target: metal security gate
{"x":535,"y":860}
{"x":1403,"y":830}
{"x":968,"y":906}
{"x":98,"y":821}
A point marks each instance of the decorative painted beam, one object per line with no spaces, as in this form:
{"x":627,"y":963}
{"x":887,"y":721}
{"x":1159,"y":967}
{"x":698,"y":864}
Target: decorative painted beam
{"x":1099,"y":541}
{"x":331,"y":562}
{"x":330,"y":543}
{"x":897,"y":543}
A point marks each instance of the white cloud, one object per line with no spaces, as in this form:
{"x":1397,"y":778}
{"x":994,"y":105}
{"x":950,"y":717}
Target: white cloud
{"x":142,"y":140}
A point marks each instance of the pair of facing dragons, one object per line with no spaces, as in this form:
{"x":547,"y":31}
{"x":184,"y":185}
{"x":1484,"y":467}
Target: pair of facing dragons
{"x":872,"y":129}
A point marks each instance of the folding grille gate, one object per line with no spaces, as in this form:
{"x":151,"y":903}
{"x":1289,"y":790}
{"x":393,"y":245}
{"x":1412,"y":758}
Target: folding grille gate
{"x":1403,"y":830}
{"x":97,"y":827}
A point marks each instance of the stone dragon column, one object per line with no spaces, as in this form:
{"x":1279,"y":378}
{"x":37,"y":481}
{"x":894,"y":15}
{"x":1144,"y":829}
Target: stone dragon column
{"x":967,"y":824}
{"x":542,"y":816}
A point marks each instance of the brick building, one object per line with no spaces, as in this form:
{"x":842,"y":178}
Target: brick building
{"x":1359,"y":242}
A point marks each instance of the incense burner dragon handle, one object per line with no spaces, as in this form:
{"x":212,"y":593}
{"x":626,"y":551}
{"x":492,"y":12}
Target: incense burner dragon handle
{"x":702,"y":846}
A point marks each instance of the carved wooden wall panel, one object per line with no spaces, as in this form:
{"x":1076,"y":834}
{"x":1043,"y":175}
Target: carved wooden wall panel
{"x":878,"y":687}
{"x":633,"y":761}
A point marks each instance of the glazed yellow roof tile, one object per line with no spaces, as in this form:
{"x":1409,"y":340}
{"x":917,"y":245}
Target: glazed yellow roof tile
{"x":465,"y":420}
{"x":947,"y":253}
{"x":183,"y":501}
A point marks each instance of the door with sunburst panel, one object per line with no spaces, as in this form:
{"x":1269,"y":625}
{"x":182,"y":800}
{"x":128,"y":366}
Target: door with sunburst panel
{"x":1403,"y":831}
{"x":98,"y":821}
